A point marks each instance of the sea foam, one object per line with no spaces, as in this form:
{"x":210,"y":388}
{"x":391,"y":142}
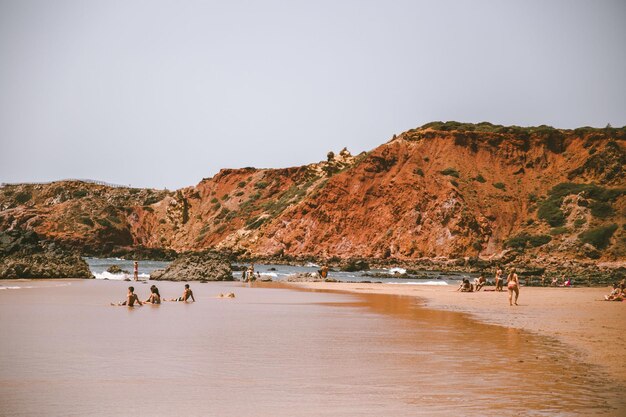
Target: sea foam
{"x":117,"y":277}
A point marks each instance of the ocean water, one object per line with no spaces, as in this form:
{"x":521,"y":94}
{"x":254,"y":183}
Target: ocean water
{"x":280,"y":272}
{"x":99,"y":266}
{"x":273,"y":351}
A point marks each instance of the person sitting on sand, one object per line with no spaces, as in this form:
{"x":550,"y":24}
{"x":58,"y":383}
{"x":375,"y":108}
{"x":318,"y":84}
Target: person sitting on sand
{"x":131,"y":299}
{"x":615,"y":295}
{"x":186,"y":295}
{"x":567,"y":283}
{"x":555,"y":281}
{"x":499,"y":279}
{"x":155,"y":297}
{"x":479,"y":282}
{"x":465,"y":286}
{"x":512,"y":284}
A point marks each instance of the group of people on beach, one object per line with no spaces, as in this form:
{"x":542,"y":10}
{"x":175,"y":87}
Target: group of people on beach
{"x":154,"y":298}
{"x":512,"y":284}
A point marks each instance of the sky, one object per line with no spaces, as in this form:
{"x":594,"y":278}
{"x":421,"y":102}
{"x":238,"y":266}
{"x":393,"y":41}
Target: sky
{"x":164,"y":93}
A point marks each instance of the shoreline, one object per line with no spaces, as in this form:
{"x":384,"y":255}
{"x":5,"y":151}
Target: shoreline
{"x":593,"y":329}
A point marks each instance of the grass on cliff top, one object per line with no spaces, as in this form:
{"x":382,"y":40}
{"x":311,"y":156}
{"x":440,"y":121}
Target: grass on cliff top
{"x":491,"y":128}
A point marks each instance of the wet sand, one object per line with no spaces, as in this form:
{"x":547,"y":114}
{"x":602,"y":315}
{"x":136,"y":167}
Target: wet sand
{"x":595,"y":330}
{"x":277,"y":352}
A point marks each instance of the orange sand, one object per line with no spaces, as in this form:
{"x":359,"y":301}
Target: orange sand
{"x":594,"y":329}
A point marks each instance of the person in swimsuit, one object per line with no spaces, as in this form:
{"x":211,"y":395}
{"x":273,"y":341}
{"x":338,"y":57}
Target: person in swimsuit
{"x":465,"y":286}
{"x":187,"y":294}
{"x":131,"y":299}
{"x":323,"y":272}
{"x":615,"y":295}
{"x":499,"y":279}
{"x":479,"y":282}
{"x":512,"y":284}
{"x":136,"y":270}
{"x":155,"y":297}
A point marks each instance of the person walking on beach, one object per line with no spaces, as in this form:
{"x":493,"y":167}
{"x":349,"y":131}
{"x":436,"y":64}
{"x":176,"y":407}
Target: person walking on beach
{"x":136,"y":270}
{"x":187,"y":294}
{"x":131,"y":299}
{"x":499,"y":279}
{"x":512,"y":284}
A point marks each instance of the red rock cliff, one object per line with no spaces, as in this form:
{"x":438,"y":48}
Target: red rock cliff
{"x":443,"y":190}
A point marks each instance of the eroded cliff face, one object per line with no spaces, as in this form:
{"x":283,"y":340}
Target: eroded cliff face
{"x":444,"y":190}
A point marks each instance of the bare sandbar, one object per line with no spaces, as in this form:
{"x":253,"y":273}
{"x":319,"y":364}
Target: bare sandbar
{"x":594,"y":329}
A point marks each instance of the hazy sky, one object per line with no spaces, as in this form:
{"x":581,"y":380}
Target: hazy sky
{"x":163,"y":93}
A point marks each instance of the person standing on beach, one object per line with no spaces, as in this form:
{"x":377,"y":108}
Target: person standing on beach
{"x":512,"y":284}
{"x":136,"y":270}
{"x":499,"y":279}
{"x":324,"y":272}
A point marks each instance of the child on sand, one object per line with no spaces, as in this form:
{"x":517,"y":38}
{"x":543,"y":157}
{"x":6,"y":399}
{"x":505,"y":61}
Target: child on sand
{"x":131,"y":299}
{"x":136,"y":270}
{"x":512,"y":284}
{"x":186,"y":295}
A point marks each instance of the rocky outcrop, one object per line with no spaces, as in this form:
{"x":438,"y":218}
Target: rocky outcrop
{"x":445,"y":191}
{"x":205,"y":266}
{"x":308,"y":277}
{"x":24,"y":255}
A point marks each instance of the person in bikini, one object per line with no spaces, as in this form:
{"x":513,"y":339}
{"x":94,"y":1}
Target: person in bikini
{"x":187,"y":294}
{"x":512,"y":284}
{"x":155,"y":297}
{"x":131,"y":299}
{"x":136,"y":271}
{"x":465,"y":286}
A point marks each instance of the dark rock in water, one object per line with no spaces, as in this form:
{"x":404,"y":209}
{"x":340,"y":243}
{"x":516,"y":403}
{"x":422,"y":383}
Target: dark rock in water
{"x":24,"y":255}
{"x":197,"y":266}
{"x":305,"y":277}
{"x":114,"y":269}
{"x":352,"y":265}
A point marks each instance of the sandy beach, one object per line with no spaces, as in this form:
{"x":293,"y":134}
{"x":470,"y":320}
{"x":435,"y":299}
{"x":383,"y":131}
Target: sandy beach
{"x":594,"y":329}
{"x":309,"y":350}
